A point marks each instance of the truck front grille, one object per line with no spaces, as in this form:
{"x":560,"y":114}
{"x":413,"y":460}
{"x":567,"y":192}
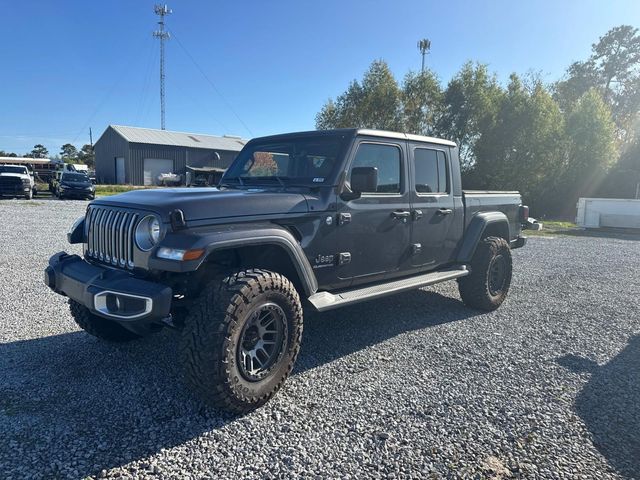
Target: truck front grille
{"x":10,"y":181}
{"x":110,"y":235}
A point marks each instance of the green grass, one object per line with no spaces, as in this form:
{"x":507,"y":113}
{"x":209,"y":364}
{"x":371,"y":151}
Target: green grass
{"x":554,"y":227}
{"x":106,"y":190}
{"x":558,"y":224}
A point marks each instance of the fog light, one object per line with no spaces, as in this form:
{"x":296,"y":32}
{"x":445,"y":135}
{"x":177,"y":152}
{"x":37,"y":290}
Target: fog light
{"x":113,"y":303}
{"x":178,"y":254}
{"x":122,"y":305}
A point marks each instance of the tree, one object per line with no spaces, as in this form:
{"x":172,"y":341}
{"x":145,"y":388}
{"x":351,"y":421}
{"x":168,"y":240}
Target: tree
{"x":69,"y":152}
{"x":422,"y":102}
{"x":376,"y":103}
{"x":591,"y":150}
{"x":87,"y":156}
{"x":39,"y":151}
{"x":471,"y":103}
{"x":7,"y":154}
{"x":523,"y":148}
{"x":614,"y":70}
{"x":623,"y":180}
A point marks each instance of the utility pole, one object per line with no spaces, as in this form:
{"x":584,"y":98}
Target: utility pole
{"x":424,"y":46}
{"x":161,"y":11}
{"x":91,"y":138}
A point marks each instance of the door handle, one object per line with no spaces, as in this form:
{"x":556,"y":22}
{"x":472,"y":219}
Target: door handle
{"x":444,"y":211}
{"x":401,"y":215}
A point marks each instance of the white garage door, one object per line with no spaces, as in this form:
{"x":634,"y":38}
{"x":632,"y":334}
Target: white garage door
{"x":154,"y":167}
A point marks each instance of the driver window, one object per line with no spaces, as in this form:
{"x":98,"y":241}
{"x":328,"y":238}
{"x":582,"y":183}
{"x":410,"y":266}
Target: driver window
{"x":386,"y":158}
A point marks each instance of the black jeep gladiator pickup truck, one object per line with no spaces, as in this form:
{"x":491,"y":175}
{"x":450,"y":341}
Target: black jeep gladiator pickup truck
{"x":324,"y":218}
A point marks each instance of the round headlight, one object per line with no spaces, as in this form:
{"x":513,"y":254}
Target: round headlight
{"x":148,"y":232}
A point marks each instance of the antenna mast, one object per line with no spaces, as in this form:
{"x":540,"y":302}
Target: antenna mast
{"x":161,"y":11}
{"x":424,"y":46}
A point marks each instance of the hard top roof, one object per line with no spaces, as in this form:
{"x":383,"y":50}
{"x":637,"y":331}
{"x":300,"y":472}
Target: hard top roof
{"x":363,"y":132}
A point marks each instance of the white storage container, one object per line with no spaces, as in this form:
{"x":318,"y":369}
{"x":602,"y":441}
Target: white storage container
{"x":608,"y":213}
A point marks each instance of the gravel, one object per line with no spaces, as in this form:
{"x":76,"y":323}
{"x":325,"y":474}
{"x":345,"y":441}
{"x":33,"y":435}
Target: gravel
{"x":410,"y":386}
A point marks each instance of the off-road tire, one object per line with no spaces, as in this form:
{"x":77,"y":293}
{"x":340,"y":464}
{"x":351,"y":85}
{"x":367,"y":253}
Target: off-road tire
{"x":476,"y":288}
{"x":99,"y":327}
{"x":29,"y":195}
{"x":213,"y":331}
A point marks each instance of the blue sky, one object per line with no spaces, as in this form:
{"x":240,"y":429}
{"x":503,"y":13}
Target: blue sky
{"x":70,"y":65}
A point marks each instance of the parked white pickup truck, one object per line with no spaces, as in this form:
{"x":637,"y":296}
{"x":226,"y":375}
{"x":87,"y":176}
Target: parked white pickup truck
{"x":15,"y":181}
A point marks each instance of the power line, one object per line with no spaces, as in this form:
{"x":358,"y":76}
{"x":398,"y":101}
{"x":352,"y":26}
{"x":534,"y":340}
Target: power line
{"x":161,"y":11}
{"x":211,"y":83}
{"x":98,"y":107}
{"x":146,"y":83}
{"x":200,"y":104}
{"x":125,"y":67}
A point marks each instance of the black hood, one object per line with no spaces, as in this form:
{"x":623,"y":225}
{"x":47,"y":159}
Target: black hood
{"x":210,"y":203}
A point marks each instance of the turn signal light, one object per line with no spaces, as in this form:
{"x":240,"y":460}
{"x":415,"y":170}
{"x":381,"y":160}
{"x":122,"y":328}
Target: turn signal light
{"x":180,"y":255}
{"x":193,"y":254}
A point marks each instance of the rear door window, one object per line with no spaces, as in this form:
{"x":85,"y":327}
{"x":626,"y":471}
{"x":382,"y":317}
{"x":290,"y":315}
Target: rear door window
{"x":430,"y":171}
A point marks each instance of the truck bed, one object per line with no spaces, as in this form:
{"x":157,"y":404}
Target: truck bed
{"x":507,"y":202}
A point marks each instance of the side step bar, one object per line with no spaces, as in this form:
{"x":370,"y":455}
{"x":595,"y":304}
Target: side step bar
{"x":323,"y":301}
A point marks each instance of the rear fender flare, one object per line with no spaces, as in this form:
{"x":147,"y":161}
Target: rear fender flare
{"x":475,"y":232}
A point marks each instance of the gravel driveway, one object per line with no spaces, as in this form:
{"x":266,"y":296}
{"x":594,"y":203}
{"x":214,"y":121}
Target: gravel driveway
{"x":414,"y":385}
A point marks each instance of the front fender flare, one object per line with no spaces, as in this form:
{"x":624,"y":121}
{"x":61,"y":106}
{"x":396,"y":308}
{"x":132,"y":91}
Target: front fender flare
{"x":475,"y":232}
{"x":224,"y":237}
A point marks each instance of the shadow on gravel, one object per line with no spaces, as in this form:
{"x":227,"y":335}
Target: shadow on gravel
{"x":337,"y":333}
{"x":609,"y":405}
{"x":71,"y":405}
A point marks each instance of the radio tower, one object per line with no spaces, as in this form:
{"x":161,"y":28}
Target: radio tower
{"x":161,"y":11}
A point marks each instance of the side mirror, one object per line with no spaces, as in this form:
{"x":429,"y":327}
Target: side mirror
{"x":364,"y":179}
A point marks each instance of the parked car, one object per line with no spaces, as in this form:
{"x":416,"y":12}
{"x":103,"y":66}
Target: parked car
{"x":325,"y":219}
{"x":16,"y":181}
{"x":54,"y":179}
{"x":75,"y":185}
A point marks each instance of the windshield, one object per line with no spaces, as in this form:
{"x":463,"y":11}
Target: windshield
{"x":301,"y":161}
{"x":11,"y":169}
{"x":74,"y":177}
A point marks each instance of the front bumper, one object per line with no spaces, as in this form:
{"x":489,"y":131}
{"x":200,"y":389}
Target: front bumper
{"x":17,"y":189}
{"x":76,"y":193}
{"x":138,"y":305}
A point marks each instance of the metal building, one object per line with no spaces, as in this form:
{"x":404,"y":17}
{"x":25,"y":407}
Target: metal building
{"x":137,"y":156}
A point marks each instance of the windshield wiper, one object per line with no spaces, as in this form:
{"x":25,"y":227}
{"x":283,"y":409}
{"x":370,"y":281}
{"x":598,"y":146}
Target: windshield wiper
{"x":227,"y":184}
{"x":281,"y":181}
{"x":262,"y":180}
